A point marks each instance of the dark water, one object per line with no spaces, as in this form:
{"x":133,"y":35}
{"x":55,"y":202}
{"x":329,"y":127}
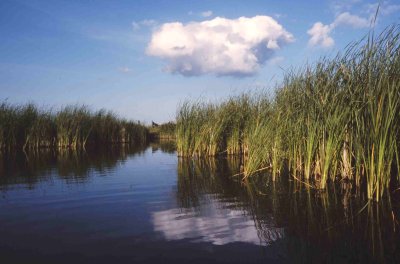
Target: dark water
{"x":147,"y":206}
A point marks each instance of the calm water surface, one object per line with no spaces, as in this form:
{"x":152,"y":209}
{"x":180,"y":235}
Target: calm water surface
{"x":147,"y":206}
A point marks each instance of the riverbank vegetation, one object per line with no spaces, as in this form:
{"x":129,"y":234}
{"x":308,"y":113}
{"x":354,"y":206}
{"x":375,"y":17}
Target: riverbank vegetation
{"x":338,"y":119}
{"x":75,"y":127}
{"x":164,"y":131}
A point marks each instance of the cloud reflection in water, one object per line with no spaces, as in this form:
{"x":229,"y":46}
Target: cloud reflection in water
{"x":214,"y":222}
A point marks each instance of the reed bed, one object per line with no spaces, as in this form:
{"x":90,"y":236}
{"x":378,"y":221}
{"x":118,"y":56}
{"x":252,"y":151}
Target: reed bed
{"x":337,"y":119}
{"x":75,"y":127}
{"x":165,"y":131}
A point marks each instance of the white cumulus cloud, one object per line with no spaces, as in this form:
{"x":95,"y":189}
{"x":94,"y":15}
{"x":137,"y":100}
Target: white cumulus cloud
{"x":320,"y":33}
{"x":220,"y":46}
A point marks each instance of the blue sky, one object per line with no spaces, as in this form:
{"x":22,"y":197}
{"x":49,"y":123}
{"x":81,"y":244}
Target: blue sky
{"x":142,"y":58}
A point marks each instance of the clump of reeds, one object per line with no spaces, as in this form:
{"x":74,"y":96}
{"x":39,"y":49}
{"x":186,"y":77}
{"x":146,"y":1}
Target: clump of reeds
{"x":207,"y":129}
{"x":164,"y":131}
{"x":75,"y":127}
{"x":337,"y":119}
{"x":167,"y":129}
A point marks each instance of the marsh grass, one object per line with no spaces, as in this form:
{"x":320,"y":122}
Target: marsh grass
{"x":76,"y":127}
{"x":337,"y":119}
{"x":165,"y":131}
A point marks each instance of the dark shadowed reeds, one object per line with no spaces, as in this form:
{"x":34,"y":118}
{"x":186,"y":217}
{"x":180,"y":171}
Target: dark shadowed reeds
{"x":338,"y":119}
{"x":74,"y":127}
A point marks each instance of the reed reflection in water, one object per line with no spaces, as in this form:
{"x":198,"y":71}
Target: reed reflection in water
{"x":301,"y":224}
{"x":147,"y":205}
{"x":70,"y":165}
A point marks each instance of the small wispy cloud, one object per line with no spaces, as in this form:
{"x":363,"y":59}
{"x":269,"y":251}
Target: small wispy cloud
{"x":149,"y":22}
{"x":207,"y":13}
{"x":320,"y":34}
{"x":276,"y":61}
{"x":279,"y":15}
{"x":350,"y":20}
{"x":125,"y":70}
{"x":385,"y":8}
{"x":339,"y":6}
{"x":144,"y":23}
